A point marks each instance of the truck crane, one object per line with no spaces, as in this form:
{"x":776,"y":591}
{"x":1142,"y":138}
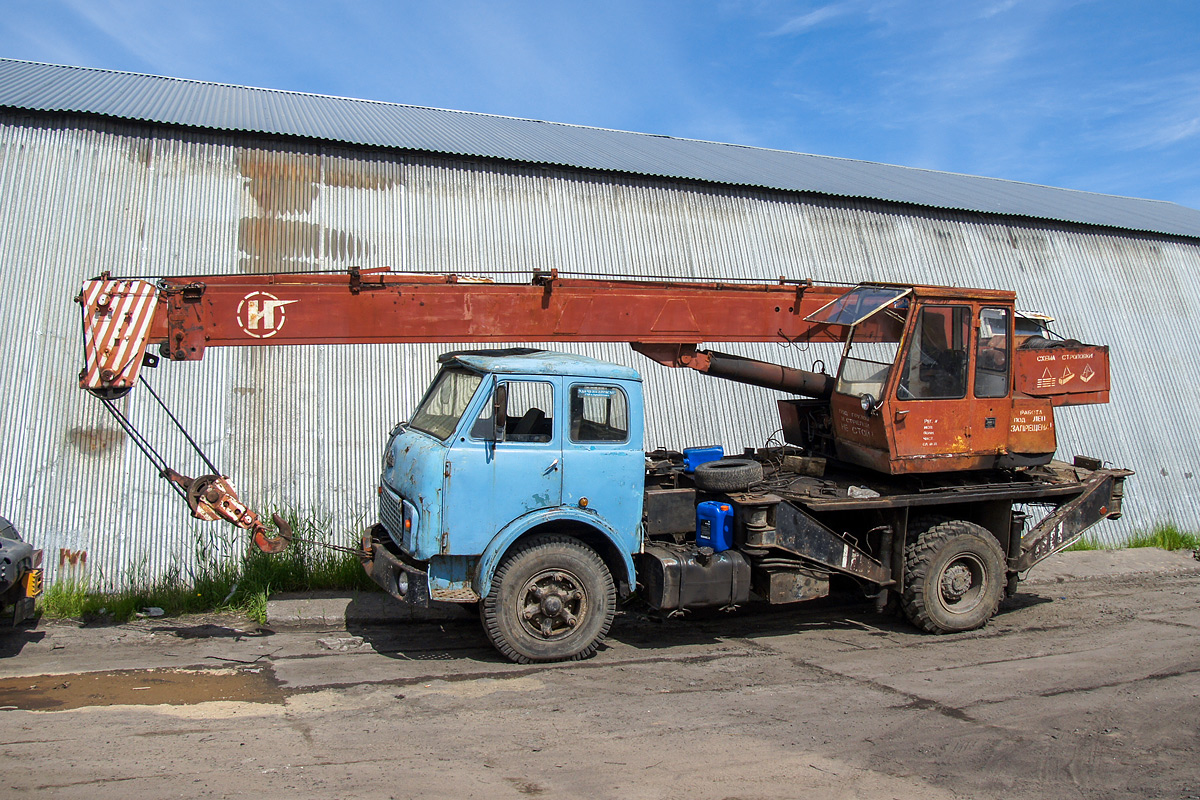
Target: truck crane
{"x":520,"y":482}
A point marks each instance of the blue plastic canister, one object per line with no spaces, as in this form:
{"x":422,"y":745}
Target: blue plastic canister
{"x":695,"y":456}
{"x":714,"y":525}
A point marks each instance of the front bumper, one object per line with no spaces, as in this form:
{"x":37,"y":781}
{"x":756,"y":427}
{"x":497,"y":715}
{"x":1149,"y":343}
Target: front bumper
{"x":399,"y":578}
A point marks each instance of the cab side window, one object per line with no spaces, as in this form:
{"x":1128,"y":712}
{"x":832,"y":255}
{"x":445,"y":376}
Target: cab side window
{"x":529,"y":413}
{"x":935,"y":365}
{"x":991,"y":354}
{"x":599,"y":414}
{"x":530,"y":416}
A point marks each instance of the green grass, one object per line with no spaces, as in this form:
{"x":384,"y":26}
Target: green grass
{"x":242,"y":582}
{"x":1087,"y":543}
{"x":245,"y":581}
{"x":1165,"y":537}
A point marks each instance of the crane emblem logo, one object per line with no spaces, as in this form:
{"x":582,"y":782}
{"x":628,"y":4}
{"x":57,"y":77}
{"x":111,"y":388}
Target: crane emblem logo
{"x":261,"y":314}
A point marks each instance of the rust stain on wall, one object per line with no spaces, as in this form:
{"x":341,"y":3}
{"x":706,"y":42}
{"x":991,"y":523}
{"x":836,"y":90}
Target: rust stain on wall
{"x":284,"y":238}
{"x":94,"y":440}
{"x":140,"y":152}
{"x":281,"y":235}
{"x":281,"y":182}
{"x":357,"y":171}
{"x":344,"y":246}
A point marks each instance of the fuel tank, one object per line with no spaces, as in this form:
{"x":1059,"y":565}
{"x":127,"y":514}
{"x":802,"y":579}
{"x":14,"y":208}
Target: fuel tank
{"x":676,"y":577}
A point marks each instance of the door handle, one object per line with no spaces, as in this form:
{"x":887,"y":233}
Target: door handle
{"x":553,"y":466}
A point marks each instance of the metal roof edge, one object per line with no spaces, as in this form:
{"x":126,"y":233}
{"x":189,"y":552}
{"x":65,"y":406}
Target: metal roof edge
{"x":523,"y":140}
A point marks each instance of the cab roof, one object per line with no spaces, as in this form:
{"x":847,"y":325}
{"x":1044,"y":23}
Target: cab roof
{"x":945,"y":292}
{"x":530,"y":361}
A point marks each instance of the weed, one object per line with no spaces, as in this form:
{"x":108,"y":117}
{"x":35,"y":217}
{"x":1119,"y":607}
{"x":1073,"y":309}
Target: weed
{"x":1086,"y":543}
{"x":65,"y":598}
{"x":1165,"y":537}
{"x":256,"y":605}
{"x":228,"y":575}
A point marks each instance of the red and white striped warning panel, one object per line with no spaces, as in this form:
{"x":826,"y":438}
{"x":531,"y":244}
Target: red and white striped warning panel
{"x":116,"y":321}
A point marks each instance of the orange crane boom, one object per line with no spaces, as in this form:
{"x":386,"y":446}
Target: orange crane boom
{"x":185,"y":316}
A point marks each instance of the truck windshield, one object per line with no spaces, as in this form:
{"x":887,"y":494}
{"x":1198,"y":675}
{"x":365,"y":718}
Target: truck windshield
{"x":445,"y":402}
{"x":871,"y":351}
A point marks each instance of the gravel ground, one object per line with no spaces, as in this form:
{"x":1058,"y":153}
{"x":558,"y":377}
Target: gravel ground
{"x":1086,"y":685}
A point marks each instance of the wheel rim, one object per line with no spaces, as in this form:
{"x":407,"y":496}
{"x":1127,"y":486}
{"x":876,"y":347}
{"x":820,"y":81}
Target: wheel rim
{"x":552,"y":604}
{"x":962,"y":583}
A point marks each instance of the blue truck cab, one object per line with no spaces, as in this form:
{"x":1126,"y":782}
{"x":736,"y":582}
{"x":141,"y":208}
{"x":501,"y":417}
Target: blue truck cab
{"x":517,"y":484}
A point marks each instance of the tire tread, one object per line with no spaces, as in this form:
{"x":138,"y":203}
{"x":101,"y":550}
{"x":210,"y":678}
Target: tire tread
{"x":728,"y":474}
{"x":545,"y":543}
{"x":919,"y":556}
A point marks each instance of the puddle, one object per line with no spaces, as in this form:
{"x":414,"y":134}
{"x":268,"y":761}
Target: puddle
{"x":176,"y":687}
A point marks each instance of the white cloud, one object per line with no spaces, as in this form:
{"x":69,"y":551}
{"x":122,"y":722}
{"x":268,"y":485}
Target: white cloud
{"x":158,"y":35}
{"x":999,"y":8}
{"x":812,"y":19}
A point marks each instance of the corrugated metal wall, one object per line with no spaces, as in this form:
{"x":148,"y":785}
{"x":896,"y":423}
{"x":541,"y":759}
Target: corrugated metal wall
{"x":304,"y":426}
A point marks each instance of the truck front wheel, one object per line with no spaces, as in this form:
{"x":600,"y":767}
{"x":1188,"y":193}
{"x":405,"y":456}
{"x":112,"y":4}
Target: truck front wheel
{"x":552,"y":599}
{"x":954,"y":577}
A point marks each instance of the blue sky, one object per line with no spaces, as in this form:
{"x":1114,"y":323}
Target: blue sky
{"x":1097,"y":95}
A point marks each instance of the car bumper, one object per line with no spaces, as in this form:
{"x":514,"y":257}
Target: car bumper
{"x":401,"y":579}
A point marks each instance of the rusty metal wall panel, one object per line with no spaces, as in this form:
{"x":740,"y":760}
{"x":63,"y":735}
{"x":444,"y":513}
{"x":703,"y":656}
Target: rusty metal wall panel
{"x":303,"y":426}
{"x":81,"y":198}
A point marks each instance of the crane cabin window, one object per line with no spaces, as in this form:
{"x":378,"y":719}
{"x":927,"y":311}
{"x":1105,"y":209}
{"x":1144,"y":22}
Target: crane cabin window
{"x":859,"y":303}
{"x":991,"y":354}
{"x":872,"y":346}
{"x":935,"y":365}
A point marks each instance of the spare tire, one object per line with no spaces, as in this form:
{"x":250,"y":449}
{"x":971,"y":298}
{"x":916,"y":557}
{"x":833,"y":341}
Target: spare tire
{"x":728,"y":475}
{"x":1042,"y":343}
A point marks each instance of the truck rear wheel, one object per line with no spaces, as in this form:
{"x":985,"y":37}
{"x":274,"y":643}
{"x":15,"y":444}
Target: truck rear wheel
{"x":552,"y":599}
{"x":954,"y":577}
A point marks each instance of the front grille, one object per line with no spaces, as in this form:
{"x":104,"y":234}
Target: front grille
{"x":391,"y":514}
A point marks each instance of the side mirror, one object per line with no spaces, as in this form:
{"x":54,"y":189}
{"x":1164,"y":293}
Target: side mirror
{"x":499,"y":412}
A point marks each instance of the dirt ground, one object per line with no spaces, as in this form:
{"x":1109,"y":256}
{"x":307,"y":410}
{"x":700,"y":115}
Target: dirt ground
{"x":1089,"y":688}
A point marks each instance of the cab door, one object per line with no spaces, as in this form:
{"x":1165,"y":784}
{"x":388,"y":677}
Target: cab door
{"x":991,"y":381}
{"x":605,"y":466}
{"x":495,"y":477}
{"x":951,"y":391}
